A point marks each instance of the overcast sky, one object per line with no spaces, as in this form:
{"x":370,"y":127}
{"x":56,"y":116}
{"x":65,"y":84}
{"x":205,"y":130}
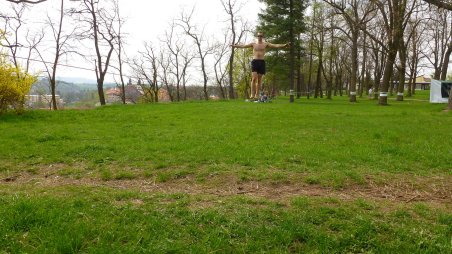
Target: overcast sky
{"x":147,"y":20}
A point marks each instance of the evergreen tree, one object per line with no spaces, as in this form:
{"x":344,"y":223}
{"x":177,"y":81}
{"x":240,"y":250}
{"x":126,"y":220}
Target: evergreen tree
{"x":283,"y":21}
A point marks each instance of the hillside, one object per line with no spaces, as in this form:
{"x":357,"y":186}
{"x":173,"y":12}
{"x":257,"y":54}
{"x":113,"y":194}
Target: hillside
{"x":69,"y":92}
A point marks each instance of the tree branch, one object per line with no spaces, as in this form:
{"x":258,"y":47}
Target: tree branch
{"x":445,"y":4}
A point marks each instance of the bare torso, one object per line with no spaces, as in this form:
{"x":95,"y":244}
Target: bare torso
{"x":259,"y":50}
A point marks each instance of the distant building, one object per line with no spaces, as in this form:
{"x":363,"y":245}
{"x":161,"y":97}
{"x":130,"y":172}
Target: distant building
{"x":113,"y":95}
{"x":423,"y":82}
{"x":423,"y":79}
{"x":133,"y":94}
{"x":164,"y":95}
{"x":42,"y":101}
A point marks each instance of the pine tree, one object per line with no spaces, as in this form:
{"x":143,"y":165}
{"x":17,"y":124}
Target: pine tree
{"x":283,"y":21}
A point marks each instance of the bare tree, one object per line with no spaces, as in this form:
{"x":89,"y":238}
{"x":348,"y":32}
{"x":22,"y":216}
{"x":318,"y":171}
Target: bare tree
{"x":311,"y":48}
{"x":414,"y":58}
{"x":14,"y":36}
{"x":232,"y":8}
{"x":13,"y":25}
{"x":146,"y":67}
{"x":100,"y":29}
{"x":394,"y":14}
{"x":119,"y":49}
{"x":330,"y":56}
{"x":165,"y":67}
{"x":409,"y":27}
{"x":378,"y":55}
{"x":185,"y":22}
{"x":339,"y":67}
{"x":356,"y":14}
{"x":445,"y":4}
{"x":187,"y":58}
{"x":175,"y":47}
{"x":319,"y":40}
{"x":362,"y":79}
{"x":220,"y":50}
{"x":61,"y":48}
{"x":26,"y":1}
{"x":448,"y":6}
{"x":439,"y":48}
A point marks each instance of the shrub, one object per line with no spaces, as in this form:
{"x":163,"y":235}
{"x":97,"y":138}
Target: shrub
{"x":14,"y":85}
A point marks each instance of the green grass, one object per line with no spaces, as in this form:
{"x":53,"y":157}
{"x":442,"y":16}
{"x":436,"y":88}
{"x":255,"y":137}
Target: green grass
{"x":317,"y":143}
{"x":327,"y":138}
{"x":105,"y":220}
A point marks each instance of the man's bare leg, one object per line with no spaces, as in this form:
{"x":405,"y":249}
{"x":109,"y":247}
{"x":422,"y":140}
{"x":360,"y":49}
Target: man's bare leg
{"x":259,"y":85}
{"x":254,"y":81}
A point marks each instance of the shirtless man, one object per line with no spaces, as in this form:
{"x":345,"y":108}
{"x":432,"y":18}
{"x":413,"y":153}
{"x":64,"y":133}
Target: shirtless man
{"x":258,"y":63}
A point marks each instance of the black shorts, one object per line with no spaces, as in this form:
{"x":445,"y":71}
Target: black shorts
{"x":258,"y":65}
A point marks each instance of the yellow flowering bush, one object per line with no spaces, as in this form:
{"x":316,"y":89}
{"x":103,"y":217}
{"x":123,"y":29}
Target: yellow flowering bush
{"x":14,"y":85}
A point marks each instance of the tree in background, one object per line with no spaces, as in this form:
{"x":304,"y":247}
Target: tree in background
{"x":355,"y":14}
{"x":146,"y":67}
{"x":283,"y":21}
{"x":220,"y":69}
{"x":174,"y":46}
{"x":99,"y":27}
{"x":232,"y":7}
{"x":15,"y":33}
{"x":201,"y":44}
{"x":394,"y":13}
{"x":409,"y":26}
{"x":26,"y":1}
{"x":242,"y":72}
{"x":445,"y":4}
{"x":439,"y":28}
{"x":62,"y":47}
{"x":120,"y":40}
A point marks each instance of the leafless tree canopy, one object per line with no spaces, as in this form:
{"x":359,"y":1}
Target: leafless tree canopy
{"x":26,"y":1}
{"x":446,"y":4}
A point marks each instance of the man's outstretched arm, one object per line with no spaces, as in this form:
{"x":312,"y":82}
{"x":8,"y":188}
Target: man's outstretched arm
{"x":242,"y":46}
{"x":277,"y":46}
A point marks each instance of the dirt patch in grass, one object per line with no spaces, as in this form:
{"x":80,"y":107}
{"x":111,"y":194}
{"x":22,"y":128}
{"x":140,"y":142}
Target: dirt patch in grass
{"x":391,"y":187}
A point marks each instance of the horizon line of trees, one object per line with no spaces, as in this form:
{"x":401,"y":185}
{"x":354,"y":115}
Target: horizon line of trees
{"x":350,"y":46}
{"x":339,"y":47}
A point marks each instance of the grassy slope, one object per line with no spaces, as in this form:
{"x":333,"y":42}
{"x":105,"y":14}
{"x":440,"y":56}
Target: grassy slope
{"x":329,"y":143}
{"x":318,"y":136}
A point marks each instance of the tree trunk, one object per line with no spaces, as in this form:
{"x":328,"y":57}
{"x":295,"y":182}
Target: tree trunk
{"x":299,"y":78}
{"x":206,"y":95}
{"x":292,"y":52}
{"x":383,"y":99}
{"x":308,"y":89}
{"x":231,"y":76}
{"x":450,"y":99}
{"x":363,"y":69}
{"x":403,"y":58}
{"x":318,"y":82}
{"x":308,"y":92}
{"x":412,"y":80}
{"x":53,"y":88}
{"x":100,"y":91}
{"x":354,"y":66}
{"x":391,"y":86}
{"x":446,"y":62}
{"x":410,"y":83}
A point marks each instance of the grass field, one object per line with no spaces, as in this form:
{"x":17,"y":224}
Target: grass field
{"x":316,"y":176}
